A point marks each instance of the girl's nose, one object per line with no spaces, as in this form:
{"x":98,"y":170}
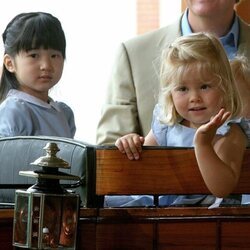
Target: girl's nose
{"x":195,"y":96}
{"x":46,"y":64}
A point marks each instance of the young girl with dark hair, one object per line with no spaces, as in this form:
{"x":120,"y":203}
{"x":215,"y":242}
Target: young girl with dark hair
{"x":33,"y":63}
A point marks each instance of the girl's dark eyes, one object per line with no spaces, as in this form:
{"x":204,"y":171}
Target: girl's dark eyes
{"x":33,"y":55}
{"x":37,"y":55}
{"x":55,"y":55}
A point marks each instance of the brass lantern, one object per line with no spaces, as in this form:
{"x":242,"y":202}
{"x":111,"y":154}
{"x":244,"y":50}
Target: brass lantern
{"x":46,"y":214}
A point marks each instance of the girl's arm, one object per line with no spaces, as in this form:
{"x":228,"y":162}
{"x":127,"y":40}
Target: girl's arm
{"x":220,"y":157}
{"x":131,"y":144}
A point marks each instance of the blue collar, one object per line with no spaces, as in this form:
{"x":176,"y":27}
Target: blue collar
{"x":14,"y":93}
{"x":229,"y":41}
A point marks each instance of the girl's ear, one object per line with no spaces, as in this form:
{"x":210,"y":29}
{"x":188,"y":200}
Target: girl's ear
{"x":8,"y":62}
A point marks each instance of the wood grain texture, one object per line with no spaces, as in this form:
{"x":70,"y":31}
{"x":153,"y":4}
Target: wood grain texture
{"x":161,"y":171}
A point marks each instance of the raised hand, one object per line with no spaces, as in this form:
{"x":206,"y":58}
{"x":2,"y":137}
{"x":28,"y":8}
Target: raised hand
{"x":206,"y":132}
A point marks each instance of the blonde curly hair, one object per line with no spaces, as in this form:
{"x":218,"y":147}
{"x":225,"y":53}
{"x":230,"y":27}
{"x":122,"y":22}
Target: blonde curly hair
{"x":204,"y":52}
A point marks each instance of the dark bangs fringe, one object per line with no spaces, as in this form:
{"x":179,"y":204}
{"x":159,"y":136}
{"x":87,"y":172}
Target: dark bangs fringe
{"x":42,"y":32}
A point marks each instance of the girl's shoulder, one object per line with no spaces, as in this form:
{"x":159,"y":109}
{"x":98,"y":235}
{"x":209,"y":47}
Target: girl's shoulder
{"x":13,"y":104}
{"x":64,"y":107}
{"x":242,"y":122}
{"x":14,"y":118}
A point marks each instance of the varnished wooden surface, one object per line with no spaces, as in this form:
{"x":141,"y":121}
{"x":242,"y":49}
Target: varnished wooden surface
{"x":167,"y":212}
{"x":174,"y":228}
{"x":153,"y":212}
{"x":161,"y":171}
{"x":154,"y":228}
{"x":6,"y":214}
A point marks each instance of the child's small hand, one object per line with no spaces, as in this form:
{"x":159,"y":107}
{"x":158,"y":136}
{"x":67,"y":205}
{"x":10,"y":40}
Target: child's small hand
{"x":131,"y":145}
{"x":205,"y":133}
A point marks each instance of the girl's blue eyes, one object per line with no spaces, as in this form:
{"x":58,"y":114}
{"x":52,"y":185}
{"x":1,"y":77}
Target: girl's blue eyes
{"x":205,"y":86}
{"x":182,"y":89}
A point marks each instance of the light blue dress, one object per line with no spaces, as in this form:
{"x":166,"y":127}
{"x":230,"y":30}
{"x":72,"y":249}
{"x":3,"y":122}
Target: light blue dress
{"x":175,"y":136}
{"x":23,"y":114}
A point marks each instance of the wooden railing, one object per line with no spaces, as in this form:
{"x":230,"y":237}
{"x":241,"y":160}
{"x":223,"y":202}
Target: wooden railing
{"x":159,"y":171}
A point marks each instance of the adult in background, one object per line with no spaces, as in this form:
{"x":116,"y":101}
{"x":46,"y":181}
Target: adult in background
{"x":134,"y":85}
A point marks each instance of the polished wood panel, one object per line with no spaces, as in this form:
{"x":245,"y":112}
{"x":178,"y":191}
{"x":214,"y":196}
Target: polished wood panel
{"x":6,"y":229}
{"x":86,"y":235}
{"x":235,"y":234}
{"x":87,"y":229}
{"x":155,"y":228}
{"x":161,"y":213}
{"x":193,"y":235}
{"x":124,"y":235}
{"x":174,"y":228}
{"x":161,"y":171}
{"x":158,"y":171}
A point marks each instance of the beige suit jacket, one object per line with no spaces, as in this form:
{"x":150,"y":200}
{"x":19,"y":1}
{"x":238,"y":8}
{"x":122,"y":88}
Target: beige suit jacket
{"x":133,"y":88}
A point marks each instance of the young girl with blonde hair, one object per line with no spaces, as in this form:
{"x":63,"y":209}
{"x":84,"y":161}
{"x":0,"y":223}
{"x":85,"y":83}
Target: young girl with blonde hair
{"x":198,"y":104}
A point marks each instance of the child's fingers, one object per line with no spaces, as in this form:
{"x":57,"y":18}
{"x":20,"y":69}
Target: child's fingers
{"x":134,"y":148}
{"x":225,"y":116}
{"x":215,"y":121}
{"x":119,"y":145}
{"x":131,"y":145}
{"x":219,"y":118}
